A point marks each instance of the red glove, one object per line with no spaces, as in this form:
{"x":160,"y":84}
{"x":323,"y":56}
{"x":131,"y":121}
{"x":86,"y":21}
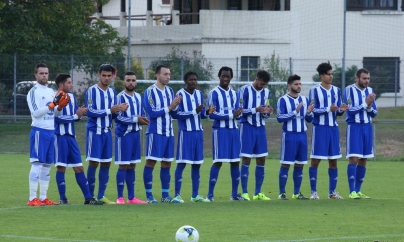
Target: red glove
{"x":59,"y":95}
{"x":63,"y":102}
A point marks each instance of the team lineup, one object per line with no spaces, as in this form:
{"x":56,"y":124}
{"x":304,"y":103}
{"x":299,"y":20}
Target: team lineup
{"x":238,"y":134}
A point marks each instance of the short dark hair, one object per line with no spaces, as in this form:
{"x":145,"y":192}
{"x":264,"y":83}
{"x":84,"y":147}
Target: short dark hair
{"x":293,"y":78}
{"x":189,"y":73}
{"x":225,"y":68}
{"x":61,"y":78}
{"x":323,"y":68}
{"x":263,"y":75}
{"x":130,"y":73}
{"x":107,"y":67}
{"x":39,"y":65}
{"x":360,"y":71}
{"x":158,"y":68}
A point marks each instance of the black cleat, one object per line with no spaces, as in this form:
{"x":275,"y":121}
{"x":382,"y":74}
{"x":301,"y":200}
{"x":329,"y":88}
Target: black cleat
{"x":92,"y":201}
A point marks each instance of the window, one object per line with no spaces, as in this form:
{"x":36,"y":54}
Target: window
{"x":234,"y":4}
{"x":383,"y":73}
{"x":165,"y":1}
{"x":249,"y":67}
{"x":361,"y":5}
{"x":264,"y":5}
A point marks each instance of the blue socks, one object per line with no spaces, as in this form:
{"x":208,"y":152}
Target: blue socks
{"x":91,"y":179}
{"x":297,"y":179}
{"x":130,"y":182}
{"x":283,"y":178}
{"x":360,"y":176}
{"x":214,"y":174}
{"x":178,"y":178}
{"x":120,"y":181}
{"x":103,"y":177}
{"x":235,"y":179}
{"x":148,"y":180}
{"x":313,"y":178}
{"x":61,"y":183}
{"x":195,"y":176}
{"x":165,"y":178}
{"x":333,"y":179}
{"x":259,"y":178}
{"x":83,"y":184}
{"x":351,"y":172}
{"x":244,"y":177}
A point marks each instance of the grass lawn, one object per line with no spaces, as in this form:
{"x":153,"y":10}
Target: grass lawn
{"x":377,"y":219}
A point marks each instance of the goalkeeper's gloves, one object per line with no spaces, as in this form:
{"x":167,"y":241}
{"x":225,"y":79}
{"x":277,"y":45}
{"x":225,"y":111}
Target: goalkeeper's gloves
{"x":59,"y":95}
{"x":63,"y":102}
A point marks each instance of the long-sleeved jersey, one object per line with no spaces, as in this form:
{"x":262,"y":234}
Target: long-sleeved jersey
{"x":226,"y":102}
{"x":293,"y":121}
{"x":250,"y":99}
{"x":127,"y":122}
{"x":357,"y":108}
{"x":38,"y":99}
{"x":323,"y":99}
{"x":99,"y":103}
{"x":188,"y":119}
{"x":64,"y":122}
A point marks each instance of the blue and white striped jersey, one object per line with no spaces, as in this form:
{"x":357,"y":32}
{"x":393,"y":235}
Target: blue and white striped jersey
{"x":127,"y":122}
{"x":357,"y":107}
{"x":156,"y":102}
{"x":38,"y":99}
{"x":286,"y":114}
{"x":226,"y":102}
{"x":99,"y":103}
{"x":250,"y":98}
{"x":323,"y":99}
{"x":188,"y":119}
{"x":64,"y":122}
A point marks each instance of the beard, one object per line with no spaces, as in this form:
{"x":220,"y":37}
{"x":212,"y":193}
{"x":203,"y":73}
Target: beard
{"x":130,"y":89}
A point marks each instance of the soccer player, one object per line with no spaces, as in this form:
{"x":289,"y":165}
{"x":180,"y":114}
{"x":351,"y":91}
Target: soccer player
{"x":127,"y":139}
{"x":359,"y":134}
{"x":293,"y":110}
{"x":160,"y":104}
{"x":325,"y":136}
{"x":254,"y":99}
{"x":41,"y":102}
{"x":225,"y":136}
{"x":100,"y":101}
{"x":66,"y":147}
{"x":190,"y":135}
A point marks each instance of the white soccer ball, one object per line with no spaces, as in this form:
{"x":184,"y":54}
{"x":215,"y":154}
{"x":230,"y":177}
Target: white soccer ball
{"x":187,"y":233}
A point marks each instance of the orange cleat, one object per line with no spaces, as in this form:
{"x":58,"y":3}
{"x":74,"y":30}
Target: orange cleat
{"x":47,"y":202}
{"x":35,"y":203}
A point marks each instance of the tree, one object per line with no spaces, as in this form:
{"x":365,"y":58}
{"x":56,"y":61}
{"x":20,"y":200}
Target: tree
{"x":137,"y":68}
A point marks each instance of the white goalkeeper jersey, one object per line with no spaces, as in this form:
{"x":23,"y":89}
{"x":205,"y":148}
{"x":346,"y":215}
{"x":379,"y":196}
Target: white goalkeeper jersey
{"x":38,"y":99}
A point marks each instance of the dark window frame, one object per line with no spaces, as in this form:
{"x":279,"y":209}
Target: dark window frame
{"x":363,"y":5}
{"x":388,"y":64}
{"x":248,"y":71}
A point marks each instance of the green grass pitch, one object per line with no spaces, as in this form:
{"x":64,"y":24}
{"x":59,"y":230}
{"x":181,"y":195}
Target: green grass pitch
{"x":377,"y":219}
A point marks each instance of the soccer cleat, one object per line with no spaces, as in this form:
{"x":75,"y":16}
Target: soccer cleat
{"x":105,"y":200}
{"x":151,"y":199}
{"x":314,"y":196}
{"x":299,"y":196}
{"x":34,"y":203}
{"x":64,"y":202}
{"x":179,"y":198}
{"x":363,"y":196}
{"x":261,"y":196}
{"x":335,"y":195}
{"x":210,"y":198}
{"x":120,"y":200}
{"x":48,"y":202}
{"x":169,"y":199}
{"x":246,"y":196}
{"x":199,"y":198}
{"x":282,"y":196}
{"x":135,"y":200}
{"x":238,"y":197}
{"x":92,"y":201}
{"x":354,"y":195}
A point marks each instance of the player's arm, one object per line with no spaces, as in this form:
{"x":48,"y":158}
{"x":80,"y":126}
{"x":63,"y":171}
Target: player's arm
{"x":244,"y":103}
{"x":93,"y":110}
{"x":217,"y":115}
{"x":149,"y":104}
{"x":282,"y":115}
{"x":180,"y":113}
{"x":317,"y":111}
{"x":309,"y":116}
{"x":353,"y":110}
{"x":267,"y":107}
{"x":202,"y":113}
{"x":372,"y":111}
{"x":32,"y":101}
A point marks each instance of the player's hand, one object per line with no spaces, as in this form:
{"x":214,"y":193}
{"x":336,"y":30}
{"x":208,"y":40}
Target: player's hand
{"x":81,"y":111}
{"x":143,"y":120}
{"x":211,"y":109}
{"x":176,"y":101}
{"x":237,"y":112}
{"x":370,"y":98}
{"x":124,"y":107}
{"x":298,"y":107}
{"x":310,"y":108}
{"x":59,"y":95}
{"x":63,"y":102}
{"x":343,"y":107}
{"x":199,"y":108}
{"x":333,"y":108}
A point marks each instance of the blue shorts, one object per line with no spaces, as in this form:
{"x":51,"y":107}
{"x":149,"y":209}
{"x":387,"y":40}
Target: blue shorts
{"x":294,"y":148}
{"x":359,"y":140}
{"x":128,"y":149}
{"x":41,"y":146}
{"x":226,"y":145}
{"x":159,"y":147}
{"x":253,"y":141}
{"x":325,"y":143}
{"x":99,"y":146}
{"x":67,"y":151}
{"x":190,"y":147}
